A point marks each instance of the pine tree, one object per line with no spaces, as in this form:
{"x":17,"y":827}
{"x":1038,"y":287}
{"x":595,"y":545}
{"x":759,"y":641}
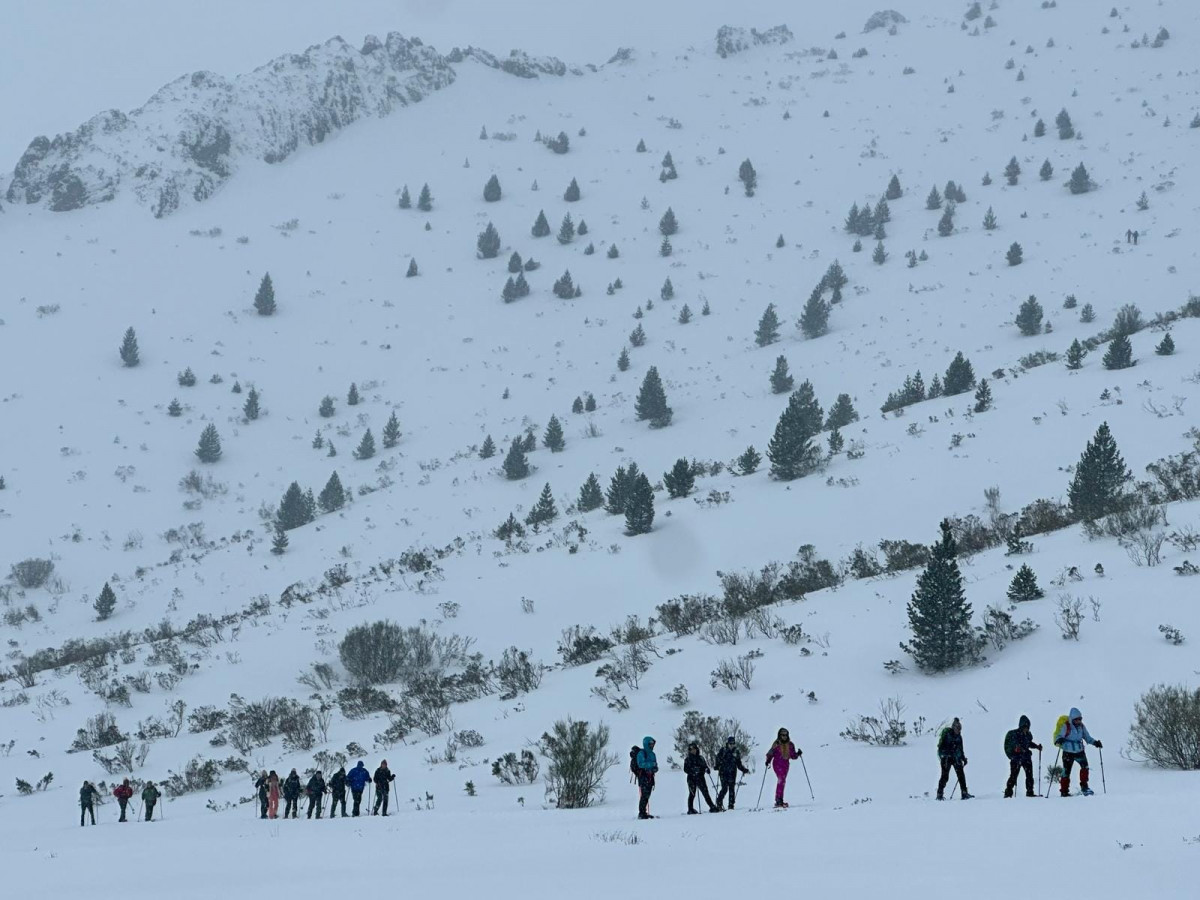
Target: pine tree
{"x":293,"y":509}
{"x":618,"y":491}
{"x":651,"y":402}
{"x":488,"y":450}
{"x":541,"y":227}
{"x":983,"y":397}
{"x":852,"y":218}
{"x":250,"y":408}
{"x":186,"y":378}
{"x":488,"y":243}
{"x":667,"y":225}
{"x":842,"y":413}
{"x":790,"y":450}
{"x":366,"y":447}
{"x":590,"y":495}
{"x":544,"y":510}
{"x":1119,"y":354}
{"x":577,"y":405}
{"x":641,"y":146}
{"x":279,"y":543}
{"x":1039,"y":130}
{"x":1024,"y":586}
{"x":129,"y":349}
{"x":639,"y":509}
{"x":174,"y":409}
{"x":1080,"y":182}
{"x":1066,"y":130}
{"x":934,"y":200}
{"x":989,"y":220}
{"x":1046,"y":171}
{"x":834,"y":277}
{"x":589,"y":405}
{"x":987,"y":179}
{"x":1029,"y":317}
{"x":1143,"y":202}
{"x":209,"y":448}
{"x":685,"y":315}
{"x":553,"y":438}
{"x":1015,"y":254}
{"x":748,"y":177}
{"x":326,"y":408}
{"x":391,"y":432}
{"x":1075,"y":354}
{"x":939,"y":614}
{"x":637,"y":337}
{"x":960,"y":376}
{"x":516,"y":466}
{"x":264,"y":299}
{"x":749,"y":461}
{"x":425,"y":200}
{"x":515,"y":264}
{"x":781,"y":380}
{"x":623,"y":360}
{"x":1166,"y":346}
{"x":879,"y":256}
{"x":1098,"y":487}
{"x":945,"y":226}
{"x":106,"y":603}
{"x":510,"y":528}
{"x":893,"y":189}
{"x":352,"y":398}
{"x":413,"y":271}
{"x":768,"y":327}
{"x":836,"y":442}
{"x":529,"y":443}
{"x":680,"y":480}
{"x":566,"y":231}
{"x":491,"y":190}
{"x":318,"y":440}
{"x":572,"y":193}
{"x":405,"y":198}
{"x":814,"y":320}
{"x":333,"y":495}
{"x":332,"y":450}
{"x":1012,"y":171}
{"x":1087,"y":314}
{"x":935,"y":388}
{"x":613,"y":252}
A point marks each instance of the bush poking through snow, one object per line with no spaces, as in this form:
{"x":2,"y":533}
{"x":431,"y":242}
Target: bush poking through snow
{"x":511,"y":769}
{"x":1166,"y":727}
{"x":887,"y":729}
{"x":578,"y":758}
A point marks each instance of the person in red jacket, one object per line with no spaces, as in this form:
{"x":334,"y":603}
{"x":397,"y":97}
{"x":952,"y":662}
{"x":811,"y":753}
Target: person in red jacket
{"x":123,"y":792}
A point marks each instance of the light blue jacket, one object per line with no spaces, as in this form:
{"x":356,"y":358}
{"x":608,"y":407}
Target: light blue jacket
{"x":1071,"y":737}
{"x":646,"y":760}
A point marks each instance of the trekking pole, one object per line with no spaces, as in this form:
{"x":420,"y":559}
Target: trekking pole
{"x":810,"y":790}
{"x":1103,"y":783}
{"x":760,"y":788}
{"x":1049,"y":780}
{"x":1039,"y":770}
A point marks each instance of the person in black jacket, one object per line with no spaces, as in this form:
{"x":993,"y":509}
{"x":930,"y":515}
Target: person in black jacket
{"x":291,"y":794}
{"x":696,"y":768}
{"x":729,"y":763}
{"x":950,"y":753}
{"x":263,"y":793}
{"x":88,"y":795}
{"x":337,"y":787}
{"x":1018,"y":747}
{"x":316,"y":794}
{"x":383,"y":779}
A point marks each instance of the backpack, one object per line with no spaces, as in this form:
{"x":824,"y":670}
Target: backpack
{"x":633,"y":755}
{"x":941,"y":734}
{"x":1062,"y":720}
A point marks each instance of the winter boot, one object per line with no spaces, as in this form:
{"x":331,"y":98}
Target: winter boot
{"x":939,"y":796}
{"x":1008,"y":792}
{"x":721,"y":806}
{"x":1030,"y":794}
{"x":779,"y":804}
{"x":1083,"y":783}
{"x":966,"y":796}
{"x":1064,"y":787}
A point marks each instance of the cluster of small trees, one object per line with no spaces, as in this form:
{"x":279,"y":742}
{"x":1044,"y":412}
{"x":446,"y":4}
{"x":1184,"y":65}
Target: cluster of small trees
{"x":424,"y":199}
{"x":959,"y":378}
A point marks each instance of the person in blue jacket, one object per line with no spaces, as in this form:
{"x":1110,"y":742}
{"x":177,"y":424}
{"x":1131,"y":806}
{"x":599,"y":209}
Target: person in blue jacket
{"x":357,"y":779}
{"x":647,"y":766}
{"x":1071,"y":737}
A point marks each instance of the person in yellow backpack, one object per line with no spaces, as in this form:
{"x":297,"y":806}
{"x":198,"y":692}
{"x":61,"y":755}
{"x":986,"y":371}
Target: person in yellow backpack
{"x":1071,"y":736}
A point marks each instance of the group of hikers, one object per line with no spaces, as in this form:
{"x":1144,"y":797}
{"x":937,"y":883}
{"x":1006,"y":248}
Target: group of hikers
{"x":270,"y":788}
{"x":89,"y":796}
{"x":1070,"y":736}
{"x":1131,"y":237}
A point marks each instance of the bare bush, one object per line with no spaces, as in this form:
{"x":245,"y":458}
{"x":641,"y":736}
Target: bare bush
{"x":578,"y":758}
{"x":710,"y":732}
{"x":100,"y":731}
{"x":734,"y":674}
{"x":125,"y":757}
{"x":1069,"y":616}
{"x":32,"y":573}
{"x":517,"y":673}
{"x":582,"y":644}
{"x":511,"y":769}
{"x":1166,"y":727}
{"x":1144,"y":547}
{"x":887,"y":729}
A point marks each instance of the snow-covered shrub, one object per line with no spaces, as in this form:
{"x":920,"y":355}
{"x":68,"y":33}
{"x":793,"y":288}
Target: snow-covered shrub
{"x":578,"y":758}
{"x":511,"y":769}
{"x":901,"y":555}
{"x":517,"y":673}
{"x":384,"y":652}
{"x":1069,"y":616}
{"x":677,"y":696}
{"x":198,"y":775}
{"x":581,"y":644}
{"x":32,"y":573}
{"x":1166,"y":727}
{"x":100,"y":731}
{"x":711,"y":732}
{"x":1042,"y":516}
{"x":734,"y":674}
{"x":887,"y":729}
{"x":1001,"y":629}
{"x":125,"y":757}
{"x":469,"y":738}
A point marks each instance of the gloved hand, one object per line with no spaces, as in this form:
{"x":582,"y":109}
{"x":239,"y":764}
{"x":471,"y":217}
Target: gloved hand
{"x":1099,"y":745}
{"x":1058,"y":742}
{"x":1039,"y":746}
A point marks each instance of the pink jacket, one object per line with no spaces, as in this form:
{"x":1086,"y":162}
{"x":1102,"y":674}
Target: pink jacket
{"x":781,"y":760}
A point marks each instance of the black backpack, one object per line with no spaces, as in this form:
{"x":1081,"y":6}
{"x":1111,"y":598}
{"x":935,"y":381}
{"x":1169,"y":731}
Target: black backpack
{"x":633,"y":755}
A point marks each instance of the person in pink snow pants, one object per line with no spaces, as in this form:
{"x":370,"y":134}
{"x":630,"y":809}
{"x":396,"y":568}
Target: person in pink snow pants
{"x":780,"y":757}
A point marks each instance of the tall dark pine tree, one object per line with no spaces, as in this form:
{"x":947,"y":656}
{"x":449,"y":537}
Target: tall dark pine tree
{"x":425,"y":200}
{"x":651,"y":402}
{"x":842,"y":413}
{"x":366,"y":447}
{"x":639,"y":508}
{"x":129,"y":349}
{"x":681,"y":479}
{"x":768,"y":327}
{"x":814,"y":320}
{"x":209,"y":448}
{"x":590,"y":495}
{"x":333,"y":495}
{"x":553,"y":438}
{"x":960,"y":376}
{"x":1080,"y":182}
{"x":781,"y":380}
{"x":1119,"y":354}
{"x":391,"y":432}
{"x":893,"y":189}
{"x":618,"y":492}
{"x":488,"y":450}
{"x":352,"y":397}
{"x":1098,"y":487}
{"x":413,"y":271}
{"x":544,"y":511}
{"x":106,"y":603}
{"x":566,"y":231}
{"x":791,"y":449}
{"x":516,"y":466}
{"x":279,"y":543}
{"x":541,"y":227}
{"x":667,"y":225}
{"x":1029,"y":317}
{"x":405,"y":198}
{"x":250,"y":408}
{"x":491,"y":190}
{"x":983,"y":397}
{"x":939,"y":614}
{"x":934,"y":200}
{"x":293,"y":510}
{"x":1012,"y":171}
{"x":1024,"y":586}
{"x":1015,"y":254}
{"x":1075,"y":354}
{"x":264,"y":300}
{"x":571,"y":194}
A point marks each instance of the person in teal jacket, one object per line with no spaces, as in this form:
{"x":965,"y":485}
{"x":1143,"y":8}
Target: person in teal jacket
{"x":647,"y":768}
{"x":1072,"y":737}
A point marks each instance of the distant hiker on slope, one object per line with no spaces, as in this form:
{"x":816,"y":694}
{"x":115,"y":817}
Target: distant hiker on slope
{"x":1019,"y":747}
{"x":780,"y":757}
{"x":647,"y":768}
{"x":950,"y":753}
{"x":383,"y":779}
{"x":150,"y":797}
{"x":729,"y":762}
{"x":316,"y":794}
{"x":337,"y":787}
{"x":273,"y":791}
{"x":1071,"y":736}
{"x":88,"y":795}
{"x":1128,"y":236}
{"x":696,"y":769}
{"x":261,"y":787}
{"x":358,"y":779}
{"x":123,"y":792}
{"x":291,"y":794}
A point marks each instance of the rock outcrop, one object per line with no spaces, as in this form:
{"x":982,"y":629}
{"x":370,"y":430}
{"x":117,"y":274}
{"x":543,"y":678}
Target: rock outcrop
{"x":732,"y":40}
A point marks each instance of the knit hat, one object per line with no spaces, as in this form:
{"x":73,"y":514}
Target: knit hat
{"x":956,"y":723}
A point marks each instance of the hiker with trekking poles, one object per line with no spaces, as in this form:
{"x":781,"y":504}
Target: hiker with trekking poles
{"x":950,"y":754}
{"x":337,"y":789}
{"x":383,"y":779}
{"x":150,"y":797}
{"x":123,"y":792}
{"x":779,"y":758}
{"x":88,"y":795}
{"x":696,"y":769}
{"x":1070,"y":736}
{"x":729,"y":763}
{"x":1018,"y":747}
{"x":291,"y":794}
{"x":262,"y":787}
{"x":316,"y":794}
{"x":645,"y":765}
{"x":358,"y":779}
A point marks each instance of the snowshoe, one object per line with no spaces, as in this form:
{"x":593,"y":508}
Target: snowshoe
{"x":1030,"y":794}
{"x":1087,"y":792}
{"x":966,"y":796}
{"x":781,"y":805}
{"x":693,"y":812}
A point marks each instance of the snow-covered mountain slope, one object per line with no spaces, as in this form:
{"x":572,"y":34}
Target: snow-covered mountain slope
{"x":93,"y":462}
